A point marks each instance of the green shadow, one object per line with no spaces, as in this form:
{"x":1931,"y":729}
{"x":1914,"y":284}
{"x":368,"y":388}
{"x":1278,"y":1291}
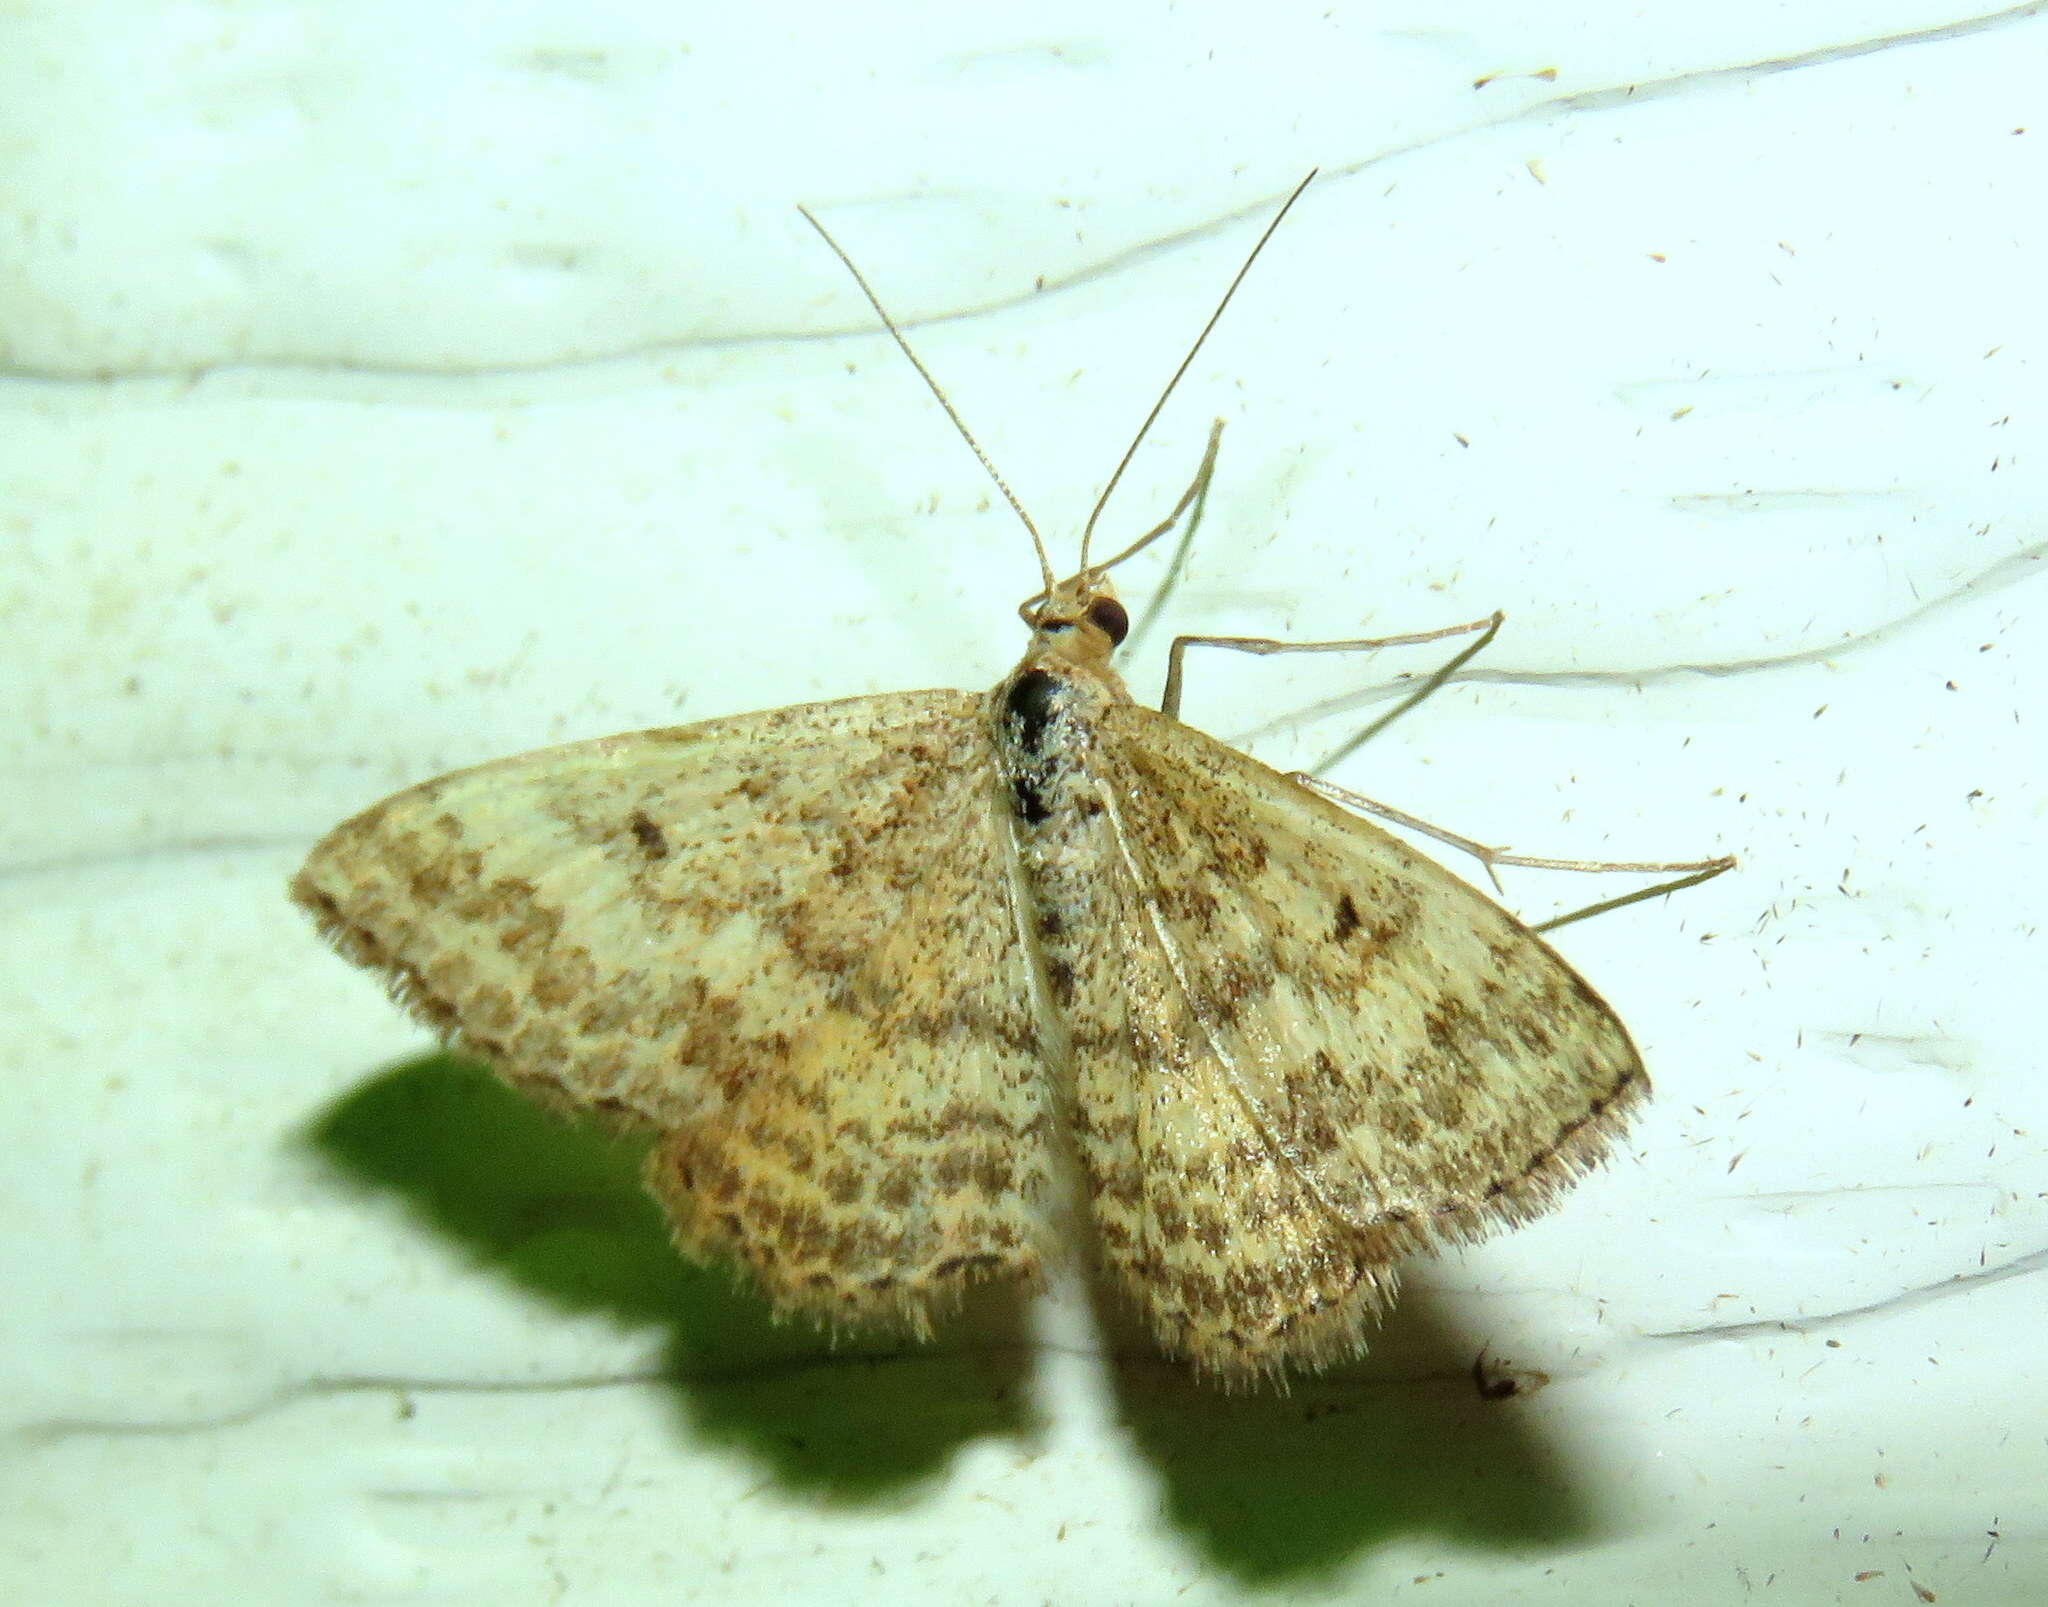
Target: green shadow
{"x":556,"y":1207}
{"x":1269,"y":1486}
{"x":1275,"y":1487}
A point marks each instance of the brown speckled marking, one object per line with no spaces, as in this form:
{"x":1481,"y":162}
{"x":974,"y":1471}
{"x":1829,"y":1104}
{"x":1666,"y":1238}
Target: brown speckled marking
{"x":786,"y":943}
{"x":652,"y":839}
{"x":843,"y":1110}
{"x":1303,"y":1051}
{"x":1347,"y":920}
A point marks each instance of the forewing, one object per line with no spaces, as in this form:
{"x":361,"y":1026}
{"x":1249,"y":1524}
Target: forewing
{"x":786,"y":941}
{"x":1307,"y":1051}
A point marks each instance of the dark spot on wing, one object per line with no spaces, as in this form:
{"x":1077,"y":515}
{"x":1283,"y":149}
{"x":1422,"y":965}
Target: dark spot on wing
{"x":652,"y":839}
{"x":964,"y":1265}
{"x":1347,"y":920}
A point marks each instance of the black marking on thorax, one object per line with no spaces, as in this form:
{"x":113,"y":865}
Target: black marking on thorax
{"x":1033,"y":706}
{"x":1033,"y":710}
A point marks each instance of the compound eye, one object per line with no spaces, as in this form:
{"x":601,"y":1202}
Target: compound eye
{"x":1107,"y":615}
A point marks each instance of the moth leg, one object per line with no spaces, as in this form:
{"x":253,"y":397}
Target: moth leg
{"x":1261,"y":646}
{"x":1692,"y":871}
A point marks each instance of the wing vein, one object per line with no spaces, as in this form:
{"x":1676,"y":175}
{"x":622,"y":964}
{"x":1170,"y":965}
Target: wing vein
{"x":1258,"y":1118}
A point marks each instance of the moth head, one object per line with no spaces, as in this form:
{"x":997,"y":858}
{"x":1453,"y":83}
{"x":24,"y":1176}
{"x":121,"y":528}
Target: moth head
{"x":1082,"y":613}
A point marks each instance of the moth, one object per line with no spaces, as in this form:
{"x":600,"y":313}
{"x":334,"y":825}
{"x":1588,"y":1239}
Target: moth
{"x":904,"y":986}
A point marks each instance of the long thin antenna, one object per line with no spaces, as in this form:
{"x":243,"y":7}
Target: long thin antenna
{"x":960,"y":424}
{"x":1186,"y":362}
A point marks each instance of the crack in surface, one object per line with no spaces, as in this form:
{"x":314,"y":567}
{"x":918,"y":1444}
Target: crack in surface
{"x":2005,"y":573}
{"x":67,"y":1428}
{"x":403,"y":1388}
{"x":234,"y":847}
{"x":180,"y":377}
{"x":1793,"y":1197}
{"x":2012,"y":570}
{"x":1905,"y":1300}
{"x":1818,"y":56}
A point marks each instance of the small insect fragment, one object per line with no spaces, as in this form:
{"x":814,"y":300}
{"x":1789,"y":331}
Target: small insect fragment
{"x":1497,"y":1381}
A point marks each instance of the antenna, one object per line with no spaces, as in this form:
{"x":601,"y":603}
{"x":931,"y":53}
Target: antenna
{"x":967,"y":435}
{"x":1131,"y":451}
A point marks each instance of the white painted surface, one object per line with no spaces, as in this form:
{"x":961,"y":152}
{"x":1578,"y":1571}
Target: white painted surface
{"x":393,"y":387}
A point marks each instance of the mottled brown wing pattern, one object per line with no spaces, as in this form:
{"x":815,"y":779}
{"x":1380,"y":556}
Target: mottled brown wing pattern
{"x":1304,"y":1051}
{"x":702,"y":930}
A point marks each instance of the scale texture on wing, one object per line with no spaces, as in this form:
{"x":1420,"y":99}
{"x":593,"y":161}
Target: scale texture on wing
{"x":704,"y":930}
{"x":1304,"y":1050}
